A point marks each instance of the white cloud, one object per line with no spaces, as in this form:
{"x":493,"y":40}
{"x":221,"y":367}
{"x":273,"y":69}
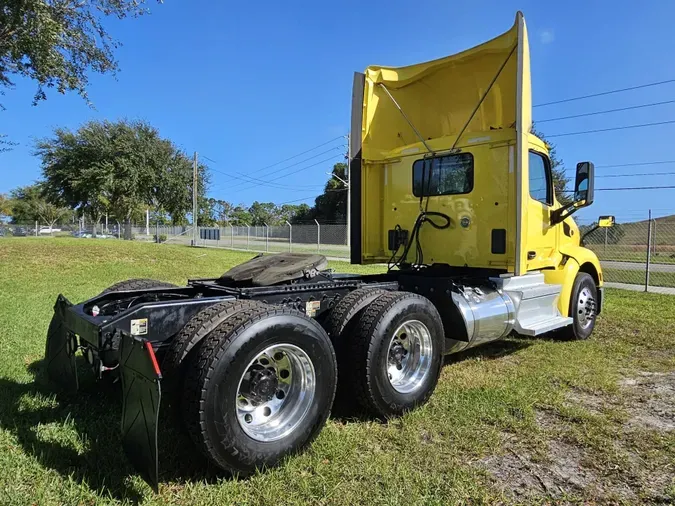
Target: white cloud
{"x":546,"y":36}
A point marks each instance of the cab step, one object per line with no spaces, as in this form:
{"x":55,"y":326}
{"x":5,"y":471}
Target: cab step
{"x":536,"y":326}
{"x":536,"y":303}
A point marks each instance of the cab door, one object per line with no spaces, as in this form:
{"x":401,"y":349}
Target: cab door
{"x":541,"y":241}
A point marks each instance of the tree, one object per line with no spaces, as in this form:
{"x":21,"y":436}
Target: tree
{"x":560,"y":180}
{"x":118,"y":167}
{"x":55,"y":42}
{"x":331,"y":205}
{"x":25,"y":200}
{"x":5,"y":207}
{"x":49,"y":213}
{"x":263,"y":213}
{"x":6,"y":145}
{"x":240,"y":216}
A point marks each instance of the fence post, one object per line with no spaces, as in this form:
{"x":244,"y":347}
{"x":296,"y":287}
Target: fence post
{"x":156,"y":231}
{"x":267,"y":237}
{"x":248,"y":236}
{"x":231,"y":236}
{"x":290,"y":236}
{"x":318,"y":236}
{"x":36,"y":230}
{"x":649,"y":250}
{"x":119,"y":230}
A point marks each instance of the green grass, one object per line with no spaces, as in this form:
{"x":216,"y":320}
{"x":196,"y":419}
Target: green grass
{"x":666,"y":279}
{"x":65,"y":450}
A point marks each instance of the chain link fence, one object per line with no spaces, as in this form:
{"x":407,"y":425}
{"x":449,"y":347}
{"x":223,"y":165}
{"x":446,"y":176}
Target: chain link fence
{"x":326,"y":239}
{"x":638,"y":253}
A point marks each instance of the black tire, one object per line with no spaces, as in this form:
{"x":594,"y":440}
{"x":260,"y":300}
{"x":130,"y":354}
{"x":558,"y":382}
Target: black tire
{"x":213,"y":377}
{"x":369,"y":352}
{"x":578,"y":330}
{"x":137,"y":284}
{"x":188,"y":339}
{"x":340,"y":325}
{"x":345,"y":313}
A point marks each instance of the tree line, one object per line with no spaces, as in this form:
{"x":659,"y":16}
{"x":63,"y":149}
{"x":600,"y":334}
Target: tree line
{"x":121,"y":169}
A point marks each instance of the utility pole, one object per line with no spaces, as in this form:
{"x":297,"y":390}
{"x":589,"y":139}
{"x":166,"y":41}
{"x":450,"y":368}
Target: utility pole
{"x":195,"y":211}
{"x":349,"y":193}
{"x":649,"y":250}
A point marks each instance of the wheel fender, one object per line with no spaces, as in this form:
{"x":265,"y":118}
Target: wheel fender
{"x":578,"y":259}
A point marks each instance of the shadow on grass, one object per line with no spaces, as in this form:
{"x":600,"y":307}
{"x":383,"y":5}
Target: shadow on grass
{"x":492,"y":350}
{"x":346,"y":410}
{"x":94,"y":413}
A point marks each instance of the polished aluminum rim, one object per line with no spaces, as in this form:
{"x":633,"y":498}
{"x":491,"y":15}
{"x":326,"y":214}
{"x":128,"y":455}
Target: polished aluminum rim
{"x":275,"y":392}
{"x":409,"y":356}
{"x":585,"y":308}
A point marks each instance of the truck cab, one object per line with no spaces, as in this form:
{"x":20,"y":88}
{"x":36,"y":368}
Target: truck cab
{"x":447,"y":172}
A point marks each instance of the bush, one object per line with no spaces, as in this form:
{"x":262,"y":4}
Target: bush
{"x":162,"y":238}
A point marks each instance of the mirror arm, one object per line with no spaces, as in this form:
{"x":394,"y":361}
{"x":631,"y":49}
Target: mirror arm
{"x":590,"y":231}
{"x":558,"y":215}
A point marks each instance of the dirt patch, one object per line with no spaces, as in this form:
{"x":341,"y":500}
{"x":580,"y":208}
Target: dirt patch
{"x":563,"y":472}
{"x":560,"y":476}
{"x":648,"y":400}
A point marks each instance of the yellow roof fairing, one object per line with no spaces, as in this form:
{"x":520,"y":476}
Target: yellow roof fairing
{"x":439,"y":96}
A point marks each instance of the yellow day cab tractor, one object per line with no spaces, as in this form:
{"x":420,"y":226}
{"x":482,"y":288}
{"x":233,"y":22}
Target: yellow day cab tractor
{"x":449,"y":188}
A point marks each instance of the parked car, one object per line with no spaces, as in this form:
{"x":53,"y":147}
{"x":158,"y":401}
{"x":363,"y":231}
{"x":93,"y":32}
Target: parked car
{"x":48,"y":230}
{"x":19,"y":232}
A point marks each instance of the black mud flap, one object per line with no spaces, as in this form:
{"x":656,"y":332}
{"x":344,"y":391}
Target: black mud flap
{"x":141,"y":394}
{"x":61,"y":348}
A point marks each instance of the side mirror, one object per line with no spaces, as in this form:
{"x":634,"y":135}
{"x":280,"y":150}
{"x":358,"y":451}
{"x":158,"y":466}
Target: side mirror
{"x":583,"y":184}
{"x":606,"y":221}
{"x":603,"y":222}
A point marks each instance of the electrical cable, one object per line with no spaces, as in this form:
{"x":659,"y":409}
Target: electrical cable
{"x":604,"y":93}
{"x":595,"y":113}
{"x":626,"y":127}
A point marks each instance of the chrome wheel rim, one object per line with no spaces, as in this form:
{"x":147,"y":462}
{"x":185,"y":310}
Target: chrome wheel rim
{"x":275,"y":392}
{"x":585,"y":308}
{"x":409,"y":356}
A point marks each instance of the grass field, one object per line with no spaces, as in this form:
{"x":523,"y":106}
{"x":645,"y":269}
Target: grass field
{"x":519,"y":421}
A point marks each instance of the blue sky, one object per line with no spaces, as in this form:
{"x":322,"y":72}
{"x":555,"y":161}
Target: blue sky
{"x":247,"y":84}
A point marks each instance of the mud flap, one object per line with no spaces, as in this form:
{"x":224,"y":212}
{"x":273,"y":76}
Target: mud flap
{"x":60,"y":349}
{"x":141,"y":394}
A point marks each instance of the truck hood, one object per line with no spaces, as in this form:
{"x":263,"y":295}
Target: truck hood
{"x":438,"y":97}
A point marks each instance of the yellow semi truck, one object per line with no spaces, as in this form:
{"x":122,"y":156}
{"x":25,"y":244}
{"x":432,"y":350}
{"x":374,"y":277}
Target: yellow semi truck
{"x":449,"y":188}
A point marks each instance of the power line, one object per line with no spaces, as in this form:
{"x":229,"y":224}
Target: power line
{"x":605,"y":93}
{"x":300,"y":154}
{"x":637,"y":175}
{"x":260,"y":181}
{"x":626,"y":127}
{"x":629,"y":188}
{"x":296,"y":163}
{"x":595,"y":113}
{"x":634,"y":164}
{"x":294,"y":172}
{"x":310,"y":197}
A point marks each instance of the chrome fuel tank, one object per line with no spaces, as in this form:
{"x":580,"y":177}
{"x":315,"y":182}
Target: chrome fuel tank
{"x":488,"y":314}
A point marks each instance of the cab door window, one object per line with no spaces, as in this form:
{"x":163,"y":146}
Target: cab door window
{"x":541,"y":181}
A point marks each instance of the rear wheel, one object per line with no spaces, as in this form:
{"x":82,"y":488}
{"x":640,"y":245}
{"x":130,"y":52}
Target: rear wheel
{"x":259,"y":387}
{"x":583,"y":308}
{"x":188,"y":339}
{"x":137,"y":284}
{"x":396,"y":353}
